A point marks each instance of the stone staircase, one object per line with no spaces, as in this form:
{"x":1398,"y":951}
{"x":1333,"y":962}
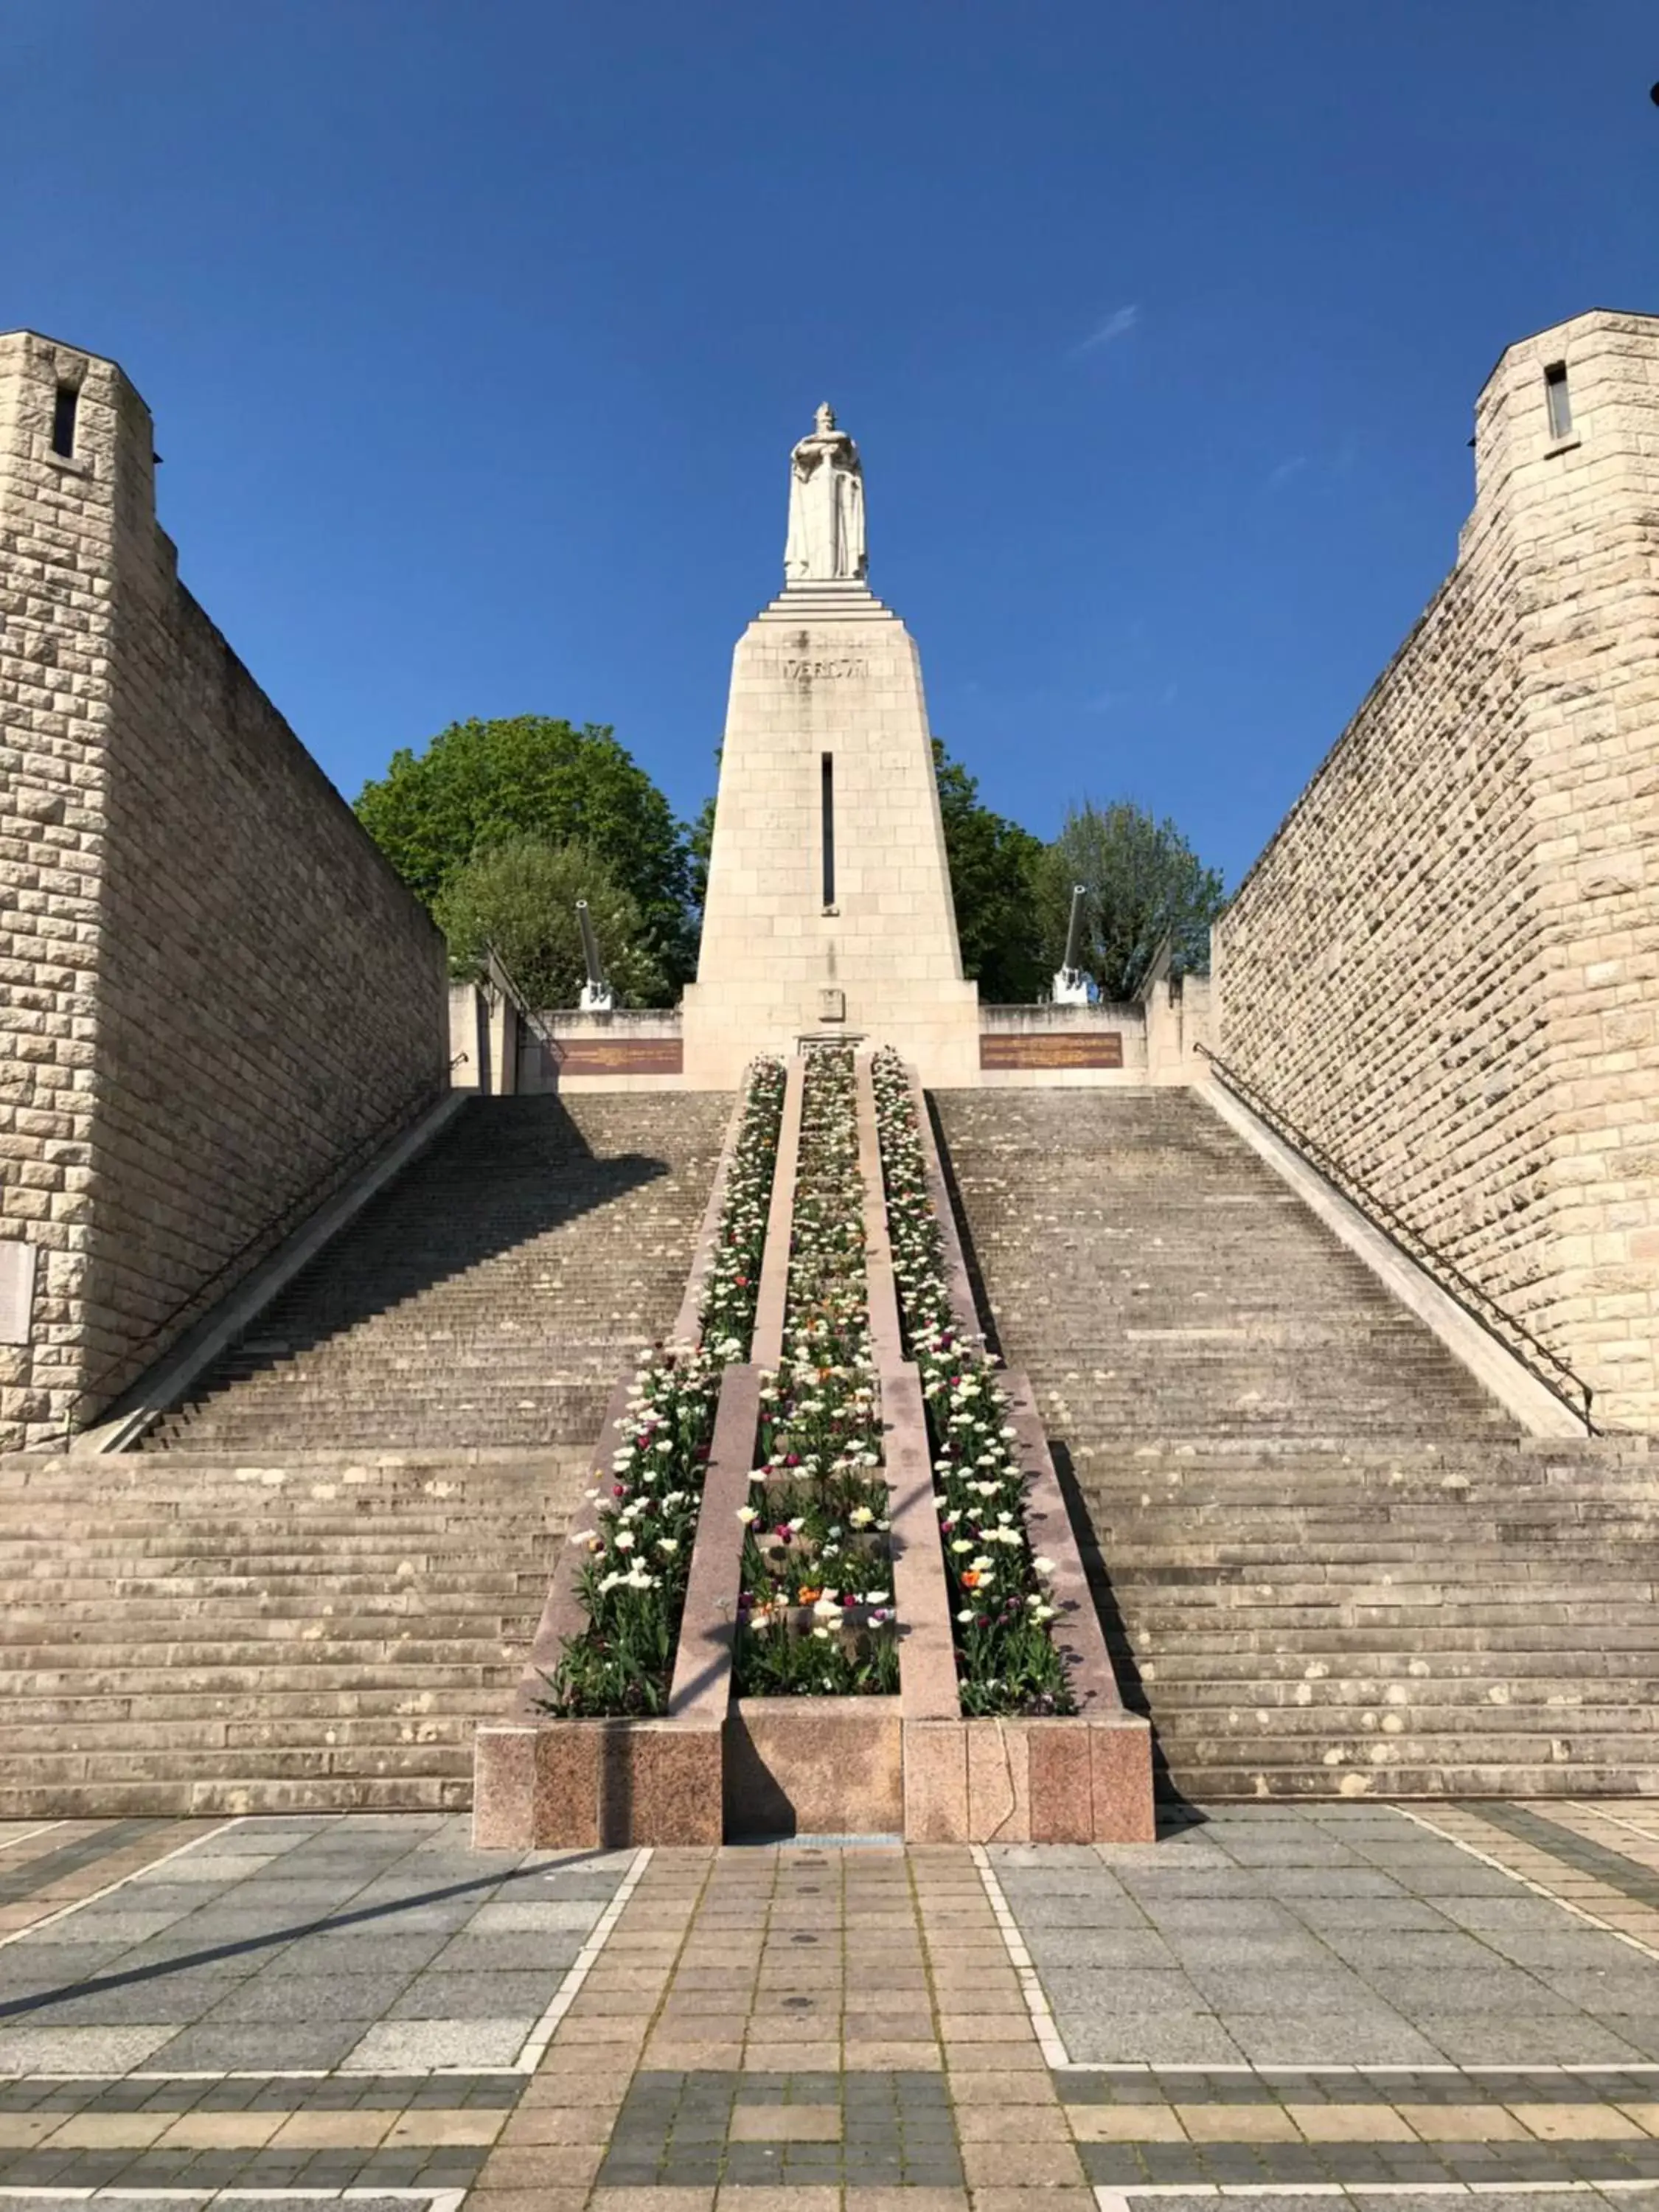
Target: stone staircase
{"x":325,"y":1568}
{"x":321,"y":1632}
{"x":1328,"y":1564}
{"x":491,"y":1295}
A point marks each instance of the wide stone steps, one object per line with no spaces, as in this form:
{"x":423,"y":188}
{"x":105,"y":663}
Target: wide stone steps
{"x":147,"y":1700}
{"x":1328,"y":1565}
{"x":1625,"y":1670}
{"x":1420,"y":1694}
{"x":492,"y":1294}
{"x":1221,"y":1641}
{"x":113,"y":1795}
{"x":1439,"y":1776}
{"x":327,"y":1568}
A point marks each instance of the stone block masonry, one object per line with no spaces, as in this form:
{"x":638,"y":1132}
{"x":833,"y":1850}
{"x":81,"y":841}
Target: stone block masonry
{"x":1445,"y":966}
{"x":215,"y":990}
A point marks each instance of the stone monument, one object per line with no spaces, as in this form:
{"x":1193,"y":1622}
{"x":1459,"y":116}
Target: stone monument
{"x":829,"y":910}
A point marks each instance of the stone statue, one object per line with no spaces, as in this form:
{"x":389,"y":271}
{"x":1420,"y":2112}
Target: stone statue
{"x":826,"y":504}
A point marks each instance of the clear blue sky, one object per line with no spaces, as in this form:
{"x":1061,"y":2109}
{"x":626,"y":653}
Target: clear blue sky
{"x":477,"y":332}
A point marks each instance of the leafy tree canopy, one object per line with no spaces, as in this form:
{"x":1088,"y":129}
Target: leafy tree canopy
{"x":1144,"y":882}
{"x":521,"y":898}
{"x":995,"y":868}
{"x":699,"y":843}
{"x":480,"y":784}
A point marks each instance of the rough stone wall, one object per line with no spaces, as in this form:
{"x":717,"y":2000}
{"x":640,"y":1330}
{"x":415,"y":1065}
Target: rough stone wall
{"x":56,"y":525}
{"x":222,"y":991}
{"x":1444,"y":965}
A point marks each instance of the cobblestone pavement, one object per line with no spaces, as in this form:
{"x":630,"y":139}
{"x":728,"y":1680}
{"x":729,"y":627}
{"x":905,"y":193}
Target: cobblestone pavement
{"x":1288,"y":2004}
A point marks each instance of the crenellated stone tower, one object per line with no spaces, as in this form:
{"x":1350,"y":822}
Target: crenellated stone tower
{"x":828,"y":909}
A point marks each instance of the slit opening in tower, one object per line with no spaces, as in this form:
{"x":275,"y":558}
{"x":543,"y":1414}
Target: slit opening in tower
{"x":1559,"y":398}
{"x":827,"y":770}
{"x":64,"y":410}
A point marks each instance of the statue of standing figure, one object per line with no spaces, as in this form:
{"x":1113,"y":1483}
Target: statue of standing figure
{"x":826,"y":504}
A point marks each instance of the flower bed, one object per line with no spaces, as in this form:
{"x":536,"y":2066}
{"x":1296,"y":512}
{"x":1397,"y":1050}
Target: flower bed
{"x":815,"y":1615}
{"x":633,"y":1584}
{"x":1007,"y":1663}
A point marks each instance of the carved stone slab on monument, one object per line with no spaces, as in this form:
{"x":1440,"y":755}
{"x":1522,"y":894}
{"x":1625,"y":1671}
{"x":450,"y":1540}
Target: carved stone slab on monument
{"x":17,"y":1291}
{"x":1100,"y":1048}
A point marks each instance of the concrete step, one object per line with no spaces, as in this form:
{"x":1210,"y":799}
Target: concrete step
{"x":1331,"y":1564}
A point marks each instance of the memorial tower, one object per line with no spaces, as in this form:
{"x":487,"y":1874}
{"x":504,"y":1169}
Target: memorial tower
{"x":828,"y":908}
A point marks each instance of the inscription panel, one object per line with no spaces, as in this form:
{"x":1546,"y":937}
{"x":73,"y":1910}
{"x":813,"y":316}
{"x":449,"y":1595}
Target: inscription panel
{"x":1053,"y":1048}
{"x":619,"y":1056}
{"x":809,"y":671}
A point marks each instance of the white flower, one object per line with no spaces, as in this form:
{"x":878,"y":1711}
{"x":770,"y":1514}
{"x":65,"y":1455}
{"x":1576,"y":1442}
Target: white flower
{"x":967,"y":1613}
{"x":669,"y":1544}
{"x":860,"y":1516}
{"x":1043,"y":1566}
{"x":962,"y":1544}
{"x":875,"y":1597}
{"x":746,"y":1514}
{"x":624,"y":1539}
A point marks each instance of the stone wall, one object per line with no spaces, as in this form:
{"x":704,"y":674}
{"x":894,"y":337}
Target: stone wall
{"x":217,"y":994}
{"x":1444,"y":966}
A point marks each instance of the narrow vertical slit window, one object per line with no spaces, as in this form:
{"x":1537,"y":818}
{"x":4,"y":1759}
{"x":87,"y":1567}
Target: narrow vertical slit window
{"x":1558,"y":401}
{"x":64,"y":410}
{"x":827,"y":772}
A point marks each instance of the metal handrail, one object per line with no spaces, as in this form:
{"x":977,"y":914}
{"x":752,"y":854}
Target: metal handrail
{"x":270,"y":1233}
{"x":1477,"y":1303}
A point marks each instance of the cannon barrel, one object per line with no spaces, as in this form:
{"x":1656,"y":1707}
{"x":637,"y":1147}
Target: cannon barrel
{"x":1074,"y":929}
{"x":590,"y":946}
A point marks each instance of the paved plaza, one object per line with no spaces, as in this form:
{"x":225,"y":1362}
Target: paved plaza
{"x":1285,"y":2003}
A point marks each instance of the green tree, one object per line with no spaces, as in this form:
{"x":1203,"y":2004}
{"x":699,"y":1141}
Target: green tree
{"x":1144,"y":882}
{"x":995,"y":878}
{"x":521,"y":898}
{"x":479,"y":784}
{"x":700,"y":843}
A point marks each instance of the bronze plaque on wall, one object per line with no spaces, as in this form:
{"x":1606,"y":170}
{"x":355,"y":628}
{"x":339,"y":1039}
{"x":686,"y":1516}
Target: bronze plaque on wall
{"x":1053,"y":1048}
{"x":619,"y":1056}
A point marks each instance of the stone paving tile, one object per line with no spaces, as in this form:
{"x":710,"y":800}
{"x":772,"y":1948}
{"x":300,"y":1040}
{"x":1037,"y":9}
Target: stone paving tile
{"x":844,"y":2028}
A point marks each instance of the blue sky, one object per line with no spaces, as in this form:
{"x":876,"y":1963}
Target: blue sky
{"x":477,"y":332}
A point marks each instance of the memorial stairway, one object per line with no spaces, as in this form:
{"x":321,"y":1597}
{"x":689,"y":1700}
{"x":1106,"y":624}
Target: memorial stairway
{"x":491,"y":1295}
{"x":1327,"y":1563}
{"x":326,"y":1567}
